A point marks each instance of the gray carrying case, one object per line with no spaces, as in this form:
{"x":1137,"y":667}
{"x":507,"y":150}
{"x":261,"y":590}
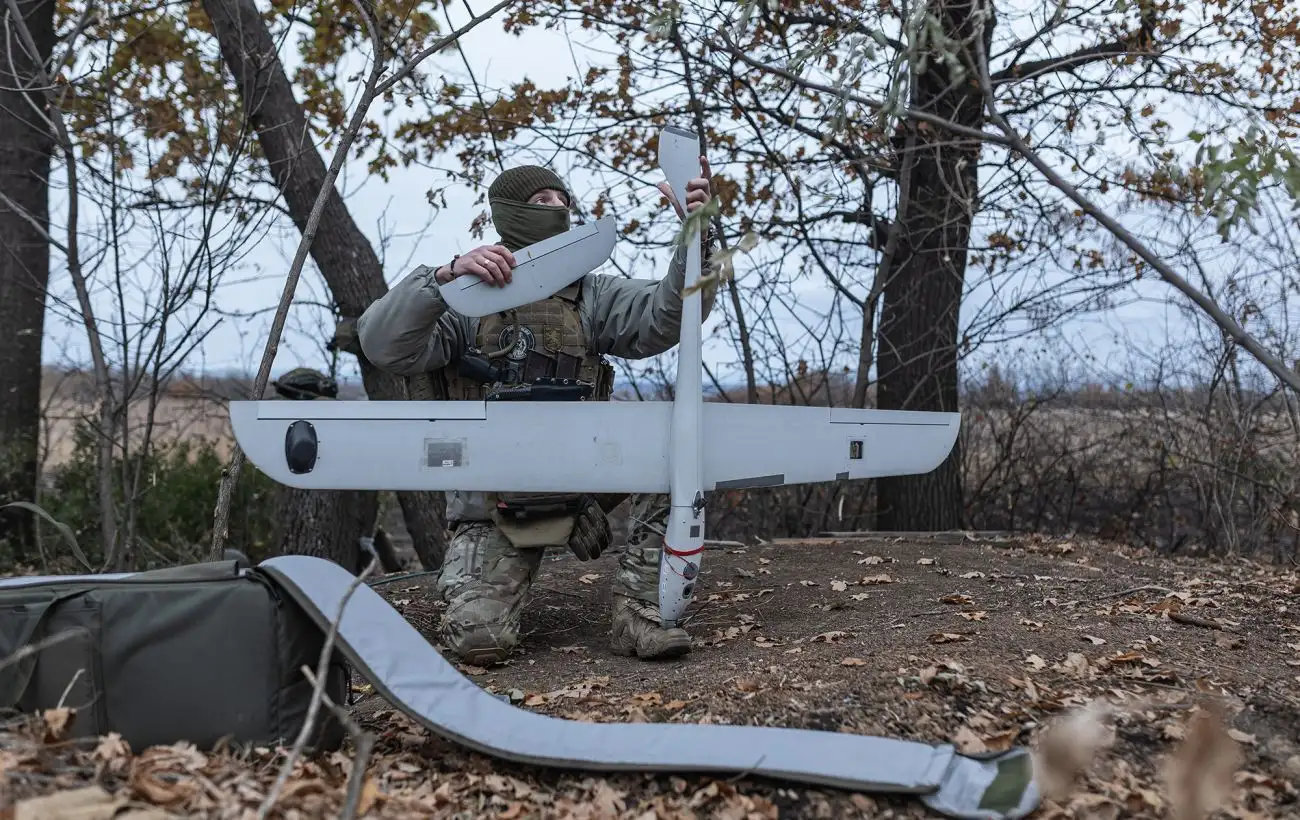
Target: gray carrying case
{"x":199,"y":653}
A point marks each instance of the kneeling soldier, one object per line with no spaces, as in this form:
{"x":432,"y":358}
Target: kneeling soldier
{"x":498,"y":539}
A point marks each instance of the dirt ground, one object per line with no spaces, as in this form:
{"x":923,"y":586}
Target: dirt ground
{"x":983,"y":643}
{"x":938,"y":640}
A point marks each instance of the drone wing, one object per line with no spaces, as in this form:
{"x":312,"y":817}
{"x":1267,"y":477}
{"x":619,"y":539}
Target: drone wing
{"x":599,"y":447}
{"x":542,"y":269}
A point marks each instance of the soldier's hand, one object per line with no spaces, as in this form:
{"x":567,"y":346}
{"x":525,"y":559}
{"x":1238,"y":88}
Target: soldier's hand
{"x":491,"y":263}
{"x":591,"y":533}
{"x":698,"y":191}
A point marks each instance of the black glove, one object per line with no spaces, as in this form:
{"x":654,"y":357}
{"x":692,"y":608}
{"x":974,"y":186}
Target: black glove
{"x":591,"y":534}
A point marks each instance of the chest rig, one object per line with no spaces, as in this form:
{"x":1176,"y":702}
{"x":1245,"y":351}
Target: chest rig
{"x":537,"y":352}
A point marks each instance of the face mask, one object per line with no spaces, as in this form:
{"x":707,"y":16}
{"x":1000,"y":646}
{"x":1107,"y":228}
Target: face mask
{"x":521,"y":224}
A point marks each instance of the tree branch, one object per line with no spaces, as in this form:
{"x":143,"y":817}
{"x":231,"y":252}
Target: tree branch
{"x":1222,"y":319}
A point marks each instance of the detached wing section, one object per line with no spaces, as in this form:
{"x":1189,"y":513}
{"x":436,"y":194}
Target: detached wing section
{"x":605,"y":447}
{"x":542,"y":269}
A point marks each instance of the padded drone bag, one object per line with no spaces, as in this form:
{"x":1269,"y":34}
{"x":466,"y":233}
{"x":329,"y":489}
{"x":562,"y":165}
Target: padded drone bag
{"x":198,"y":653}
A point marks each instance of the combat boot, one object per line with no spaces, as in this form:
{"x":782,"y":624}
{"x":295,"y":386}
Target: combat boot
{"x":636,"y":628}
{"x":637,"y":631}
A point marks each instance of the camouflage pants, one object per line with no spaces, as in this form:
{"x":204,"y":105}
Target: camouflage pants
{"x":486,"y":580}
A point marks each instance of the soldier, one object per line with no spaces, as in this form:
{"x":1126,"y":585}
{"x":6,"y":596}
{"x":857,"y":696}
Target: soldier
{"x":497,"y":540}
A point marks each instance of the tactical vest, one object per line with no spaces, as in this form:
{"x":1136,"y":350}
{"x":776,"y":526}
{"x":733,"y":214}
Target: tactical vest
{"x":541,"y":339}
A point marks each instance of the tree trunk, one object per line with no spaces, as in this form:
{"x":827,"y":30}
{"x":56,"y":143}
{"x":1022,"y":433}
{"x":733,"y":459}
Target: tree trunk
{"x":26,"y":148}
{"x":341,"y":251}
{"x":919,"y":322}
{"x":326,"y":523}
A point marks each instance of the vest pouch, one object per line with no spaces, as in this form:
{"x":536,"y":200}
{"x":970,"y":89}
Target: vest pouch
{"x":536,"y":519}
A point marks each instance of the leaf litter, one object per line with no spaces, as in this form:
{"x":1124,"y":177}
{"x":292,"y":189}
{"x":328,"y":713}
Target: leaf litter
{"x":1158,"y":720}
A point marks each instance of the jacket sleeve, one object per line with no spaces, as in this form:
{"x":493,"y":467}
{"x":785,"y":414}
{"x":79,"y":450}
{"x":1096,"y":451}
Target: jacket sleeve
{"x":640,"y":318}
{"x":410,"y":330}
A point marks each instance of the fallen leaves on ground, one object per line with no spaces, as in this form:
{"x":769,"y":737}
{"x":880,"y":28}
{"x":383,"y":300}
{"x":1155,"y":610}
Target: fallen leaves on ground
{"x":1130,"y":711}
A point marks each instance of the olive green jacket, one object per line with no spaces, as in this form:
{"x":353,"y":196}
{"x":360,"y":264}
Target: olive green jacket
{"x":410,"y":330}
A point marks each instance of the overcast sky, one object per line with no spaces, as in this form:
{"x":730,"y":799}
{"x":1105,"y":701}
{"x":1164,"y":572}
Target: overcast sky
{"x":397,"y":212}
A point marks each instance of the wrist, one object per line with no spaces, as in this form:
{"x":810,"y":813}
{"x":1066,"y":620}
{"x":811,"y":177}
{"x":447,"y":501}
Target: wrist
{"x":445,"y":273}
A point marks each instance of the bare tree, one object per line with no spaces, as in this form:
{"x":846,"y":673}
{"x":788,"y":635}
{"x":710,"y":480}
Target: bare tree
{"x":159,"y":280}
{"x":346,"y":259}
{"x":26,"y":150}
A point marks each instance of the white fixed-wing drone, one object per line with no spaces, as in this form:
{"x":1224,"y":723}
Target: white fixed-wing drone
{"x":684,"y":447}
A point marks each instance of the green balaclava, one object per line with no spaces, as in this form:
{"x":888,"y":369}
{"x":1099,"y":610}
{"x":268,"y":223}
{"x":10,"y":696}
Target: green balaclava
{"x":519,"y":223}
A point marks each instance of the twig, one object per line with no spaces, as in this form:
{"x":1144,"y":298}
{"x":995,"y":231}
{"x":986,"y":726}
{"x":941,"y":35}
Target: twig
{"x":951,"y":611}
{"x":554,"y":591}
{"x":67,"y":690}
{"x":373,"y":88}
{"x":1132,"y":591}
{"x":715,"y":544}
{"x":1191,"y":620}
{"x":363,"y":743}
{"x":317,"y":695}
{"x":410,"y":64}
{"x":30,"y":649}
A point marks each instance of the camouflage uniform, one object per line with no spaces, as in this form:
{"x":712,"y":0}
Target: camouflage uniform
{"x":491,"y":564}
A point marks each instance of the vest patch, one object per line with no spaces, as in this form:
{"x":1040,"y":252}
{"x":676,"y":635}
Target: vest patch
{"x":518,"y":347}
{"x":552,"y":338}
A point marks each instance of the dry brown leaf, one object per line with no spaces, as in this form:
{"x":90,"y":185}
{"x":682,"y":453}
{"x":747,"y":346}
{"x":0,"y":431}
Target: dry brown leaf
{"x":967,"y":742}
{"x":1094,"y":640}
{"x":956,"y":598}
{"x":925,"y":562}
{"x":947,"y":637}
{"x":872,"y":580}
{"x":56,"y":723}
{"x":853,"y":662}
{"x":1001,"y":741}
{"x":112,"y":749}
{"x":607,"y":801}
{"x":979,"y":615}
{"x":369,"y":796}
{"x":839,"y":586}
{"x":1035,"y":662}
{"x":1069,"y":746}
{"x":588,"y":578}
{"x":1199,"y":774}
{"x":832,"y":636}
{"x":88,"y":803}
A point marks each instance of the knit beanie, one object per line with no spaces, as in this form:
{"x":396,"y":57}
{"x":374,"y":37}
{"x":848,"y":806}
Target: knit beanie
{"x":519,"y":183}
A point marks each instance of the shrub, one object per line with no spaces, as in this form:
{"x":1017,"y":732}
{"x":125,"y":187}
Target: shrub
{"x":171,"y":514}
